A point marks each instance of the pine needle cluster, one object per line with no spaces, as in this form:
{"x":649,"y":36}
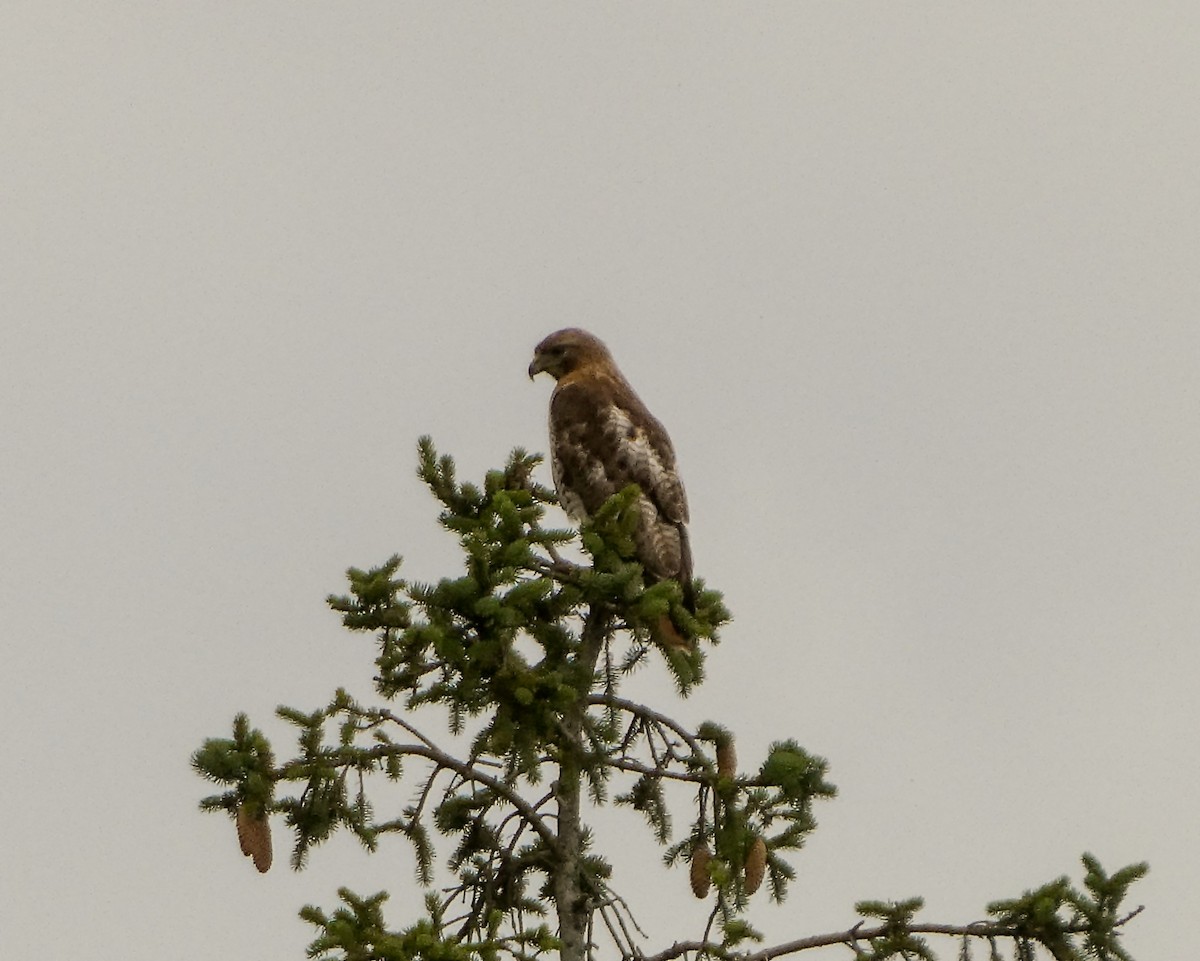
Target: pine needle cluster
{"x":524,"y":653}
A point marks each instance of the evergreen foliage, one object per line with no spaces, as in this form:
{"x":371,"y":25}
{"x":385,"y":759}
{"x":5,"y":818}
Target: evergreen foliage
{"x":525,"y":653}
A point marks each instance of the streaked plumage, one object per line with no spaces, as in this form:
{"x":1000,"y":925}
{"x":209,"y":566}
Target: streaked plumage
{"x":602,"y":439}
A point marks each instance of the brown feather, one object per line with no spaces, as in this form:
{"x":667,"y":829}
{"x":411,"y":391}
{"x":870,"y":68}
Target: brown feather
{"x":602,"y":439}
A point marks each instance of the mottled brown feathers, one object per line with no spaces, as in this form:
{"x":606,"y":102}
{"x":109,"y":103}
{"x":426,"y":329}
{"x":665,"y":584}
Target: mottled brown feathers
{"x":602,"y":439}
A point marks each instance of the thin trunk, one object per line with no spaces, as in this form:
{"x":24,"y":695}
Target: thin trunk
{"x":569,"y":897}
{"x":571,"y":900}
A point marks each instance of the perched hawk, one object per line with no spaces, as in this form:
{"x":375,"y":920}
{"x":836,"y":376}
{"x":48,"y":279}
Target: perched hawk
{"x":602,"y":439}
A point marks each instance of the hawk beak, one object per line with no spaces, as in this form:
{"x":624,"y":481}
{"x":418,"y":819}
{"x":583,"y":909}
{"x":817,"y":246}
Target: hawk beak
{"x":535,"y":367}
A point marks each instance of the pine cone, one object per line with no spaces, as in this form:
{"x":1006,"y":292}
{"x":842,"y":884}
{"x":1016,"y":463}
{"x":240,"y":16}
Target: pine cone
{"x":699,"y":872}
{"x":756,"y":865}
{"x":726,"y":759}
{"x":254,"y":838}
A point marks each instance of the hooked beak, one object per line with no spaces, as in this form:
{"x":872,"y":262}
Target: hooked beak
{"x":536,"y":366}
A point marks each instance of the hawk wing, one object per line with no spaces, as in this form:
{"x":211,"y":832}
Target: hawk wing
{"x":602,"y":439}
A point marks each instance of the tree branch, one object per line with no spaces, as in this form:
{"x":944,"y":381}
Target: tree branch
{"x":624,"y":764}
{"x":468,"y":772}
{"x":649,"y":714}
{"x":979,"y":929}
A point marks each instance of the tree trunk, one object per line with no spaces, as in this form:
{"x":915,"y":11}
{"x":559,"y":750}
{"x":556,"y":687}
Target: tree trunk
{"x":572,"y":902}
{"x":570,"y":899}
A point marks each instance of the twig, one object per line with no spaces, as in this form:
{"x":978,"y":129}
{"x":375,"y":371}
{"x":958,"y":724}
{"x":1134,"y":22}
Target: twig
{"x":468,"y":772}
{"x":635,"y":767}
{"x":627,"y":948}
{"x":647,"y":713}
{"x":979,"y":929}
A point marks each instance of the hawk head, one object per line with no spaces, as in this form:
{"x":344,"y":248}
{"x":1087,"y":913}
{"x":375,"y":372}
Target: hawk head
{"x":566,"y":351}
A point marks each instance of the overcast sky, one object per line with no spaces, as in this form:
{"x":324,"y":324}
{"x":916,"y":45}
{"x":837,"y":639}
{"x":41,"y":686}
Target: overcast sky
{"x":913,"y":286}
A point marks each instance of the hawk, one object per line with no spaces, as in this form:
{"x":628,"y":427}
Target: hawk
{"x":602,"y":439}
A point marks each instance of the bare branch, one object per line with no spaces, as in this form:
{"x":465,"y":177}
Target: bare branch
{"x":979,"y":929}
{"x":624,"y":764}
{"x":649,"y":714}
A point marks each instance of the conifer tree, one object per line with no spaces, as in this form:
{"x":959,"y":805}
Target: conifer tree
{"x":524,"y":653}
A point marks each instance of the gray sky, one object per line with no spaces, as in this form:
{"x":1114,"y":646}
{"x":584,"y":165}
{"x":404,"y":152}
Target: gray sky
{"x":913,"y":287}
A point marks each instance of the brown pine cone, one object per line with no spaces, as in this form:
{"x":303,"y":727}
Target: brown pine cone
{"x":726,"y":759}
{"x":254,"y":837}
{"x":756,"y":865}
{"x":700,"y":879}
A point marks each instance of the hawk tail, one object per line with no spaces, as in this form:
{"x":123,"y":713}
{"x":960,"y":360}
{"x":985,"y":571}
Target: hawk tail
{"x":685,"y":569}
{"x":667,"y":634}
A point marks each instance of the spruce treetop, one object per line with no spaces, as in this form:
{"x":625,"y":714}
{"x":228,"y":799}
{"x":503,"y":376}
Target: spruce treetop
{"x":522,"y":655}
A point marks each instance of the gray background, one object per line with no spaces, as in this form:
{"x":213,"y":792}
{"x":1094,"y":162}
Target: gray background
{"x":912,"y":285}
